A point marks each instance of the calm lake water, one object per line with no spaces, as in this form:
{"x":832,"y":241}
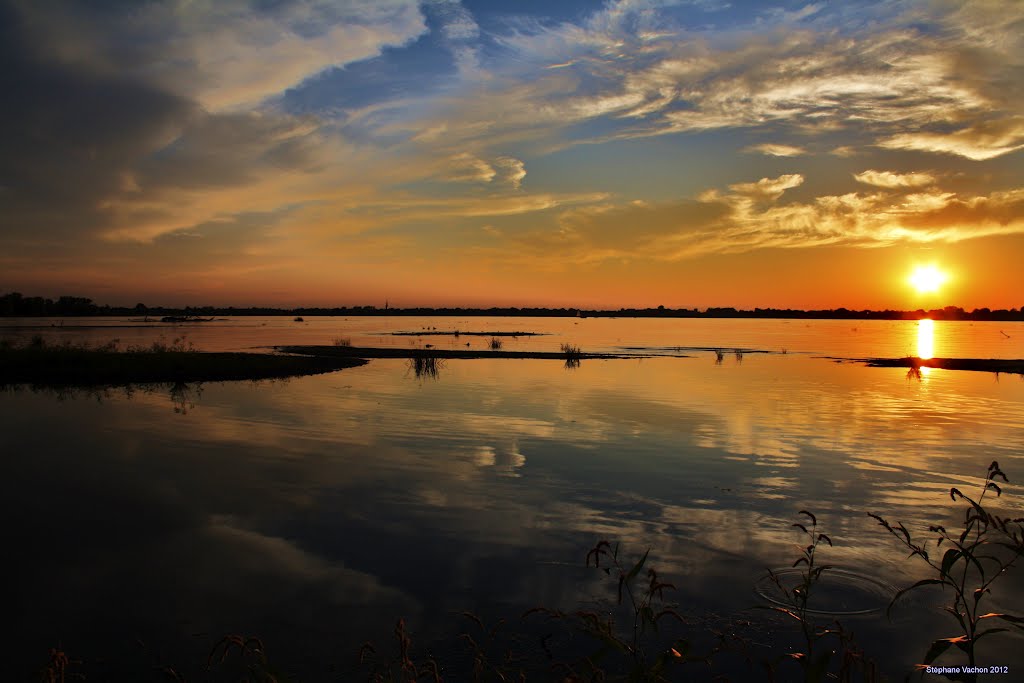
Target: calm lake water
{"x":314,"y":512}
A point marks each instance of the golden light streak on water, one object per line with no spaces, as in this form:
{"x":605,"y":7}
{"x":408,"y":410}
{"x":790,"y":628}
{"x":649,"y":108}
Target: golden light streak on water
{"x":925,"y":338}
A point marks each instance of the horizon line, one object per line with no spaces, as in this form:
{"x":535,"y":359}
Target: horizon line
{"x":14,"y":304}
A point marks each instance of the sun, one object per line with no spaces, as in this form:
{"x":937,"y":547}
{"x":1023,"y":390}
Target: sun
{"x":927,"y":279}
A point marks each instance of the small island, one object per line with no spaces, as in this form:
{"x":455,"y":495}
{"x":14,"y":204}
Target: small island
{"x":66,"y":365}
{"x":998,"y":365}
{"x":567,"y":353}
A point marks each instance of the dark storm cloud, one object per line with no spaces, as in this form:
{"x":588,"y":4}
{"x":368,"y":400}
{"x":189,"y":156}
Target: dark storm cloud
{"x":92,"y":144}
{"x":228,"y":149}
{"x":68,"y":135}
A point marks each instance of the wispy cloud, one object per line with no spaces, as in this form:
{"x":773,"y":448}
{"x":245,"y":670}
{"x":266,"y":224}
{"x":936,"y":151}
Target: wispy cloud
{"x":904,"y":85}
{"x":776,"y":150}
{"x":979,"y":142}
{"x":769,"y":188}
{"x":466,"y":167}
{"x":730,"y":222}
{"x":460,"y":34}
{"x":854,"y":219}
{"x":844,"y":151}
{"x":511,"y":170}
{"x":888,"y":179}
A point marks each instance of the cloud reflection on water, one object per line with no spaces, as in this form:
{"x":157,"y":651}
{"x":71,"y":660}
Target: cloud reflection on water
{"x":363,"y":481}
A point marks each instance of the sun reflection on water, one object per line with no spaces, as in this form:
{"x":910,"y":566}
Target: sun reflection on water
{"x":925,"y":338}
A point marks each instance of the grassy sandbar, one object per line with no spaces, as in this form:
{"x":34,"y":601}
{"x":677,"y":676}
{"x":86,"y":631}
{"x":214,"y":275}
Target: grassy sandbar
{"x":369,"y":352}
{"x":67,"y":366}
{"x":975,"y":364}
{"x":457,"y":333}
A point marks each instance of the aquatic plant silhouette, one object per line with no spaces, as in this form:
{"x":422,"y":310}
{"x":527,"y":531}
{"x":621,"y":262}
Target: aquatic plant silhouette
{"x":984,"y":549}
{"x":426,"y":366}
{"x":492,"y":650}
{"x":252,"y":658}
{"x":495,"y":344}
{"x":403,"y":667}
{"x":184,"y":396}
{"x":56,"y":670}
{"x":573,"y":356}
{"x":638,"y":655}
{"x":816,"y":659}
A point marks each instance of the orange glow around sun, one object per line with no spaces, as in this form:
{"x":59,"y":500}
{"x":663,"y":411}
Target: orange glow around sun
{"x":927,"y":279}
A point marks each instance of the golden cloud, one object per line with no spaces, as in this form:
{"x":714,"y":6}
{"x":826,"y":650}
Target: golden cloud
{"x":770,"y":188}
{"x":891,"y":180}
{"x":979,"y":142}
{"x":776,"y":150}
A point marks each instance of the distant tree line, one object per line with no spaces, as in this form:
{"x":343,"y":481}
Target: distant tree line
{"x":14,"y":304}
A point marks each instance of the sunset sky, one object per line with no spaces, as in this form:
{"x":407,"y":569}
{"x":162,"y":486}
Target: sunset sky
{"x":633,"y":153}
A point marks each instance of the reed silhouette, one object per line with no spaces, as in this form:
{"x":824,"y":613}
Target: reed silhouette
{"x":976,"y":556}
{"x":425,"y":366}
{"x":573,"y":356}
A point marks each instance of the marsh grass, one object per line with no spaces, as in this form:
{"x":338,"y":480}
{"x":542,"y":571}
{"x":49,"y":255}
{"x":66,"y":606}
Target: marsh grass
{"x":573,"y":356}
{"x":177,"y":345}
{"x":636,"y":649}
{"x":495,"y":344}
{"x":249,"y":664}
{"x":38,"y":343}
{"x":810,"y":575}
{"x":633,"y":649}
{"x":58,"y":669}
{"x":343,"y":342}
{"x":976,"y":555}
{"x":719,"y":356}
{"x":184,"y":396}
{"x":426,"y":366}
{"x":496,"y":651}
{"x":821,"y":643}
{"x":403,"y":666}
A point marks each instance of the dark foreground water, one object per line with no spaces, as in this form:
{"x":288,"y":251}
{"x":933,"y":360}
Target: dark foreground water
{"x":140,"y":529}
